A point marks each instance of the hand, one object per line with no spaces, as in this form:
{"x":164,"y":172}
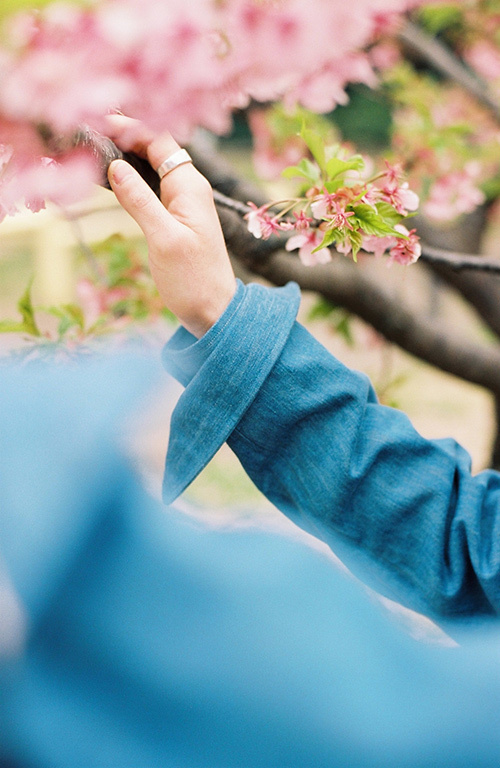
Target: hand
{"x":187,"y":253}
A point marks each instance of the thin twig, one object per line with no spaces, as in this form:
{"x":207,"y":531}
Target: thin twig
{"x":86,"y":250}
{"x":453,"y":260}
{"x":229,"y":202}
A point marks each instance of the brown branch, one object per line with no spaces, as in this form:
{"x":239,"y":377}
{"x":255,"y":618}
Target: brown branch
{"x":458,"y":261}
{"x":439,"y":256}
{"x":444,"y":61}
{"x":230,"y":191}
{"x":477,"y":288}
{"x":343,"y":283}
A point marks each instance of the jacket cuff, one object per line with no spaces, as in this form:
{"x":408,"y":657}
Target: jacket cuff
{"x":222,"y":372}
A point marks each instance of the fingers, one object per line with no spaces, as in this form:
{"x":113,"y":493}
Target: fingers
{"x":138,"y":199}
{"x":128,"y":134}
{"x":133,"y":136}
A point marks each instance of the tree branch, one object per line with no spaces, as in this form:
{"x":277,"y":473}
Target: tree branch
{"x":458,"y":262}
{"x":444,"y":61}
{"x":439,"y":256}
{"x":343,"y":283}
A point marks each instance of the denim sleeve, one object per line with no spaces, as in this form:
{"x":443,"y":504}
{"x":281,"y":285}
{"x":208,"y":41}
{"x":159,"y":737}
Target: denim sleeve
{"x":313,"y":438}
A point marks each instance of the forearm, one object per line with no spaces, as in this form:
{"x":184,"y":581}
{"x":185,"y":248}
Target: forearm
{"x":354,"y":473}
{"x":357,"y":475}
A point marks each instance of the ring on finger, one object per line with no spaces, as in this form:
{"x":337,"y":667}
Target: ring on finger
{"x":179,"y":157}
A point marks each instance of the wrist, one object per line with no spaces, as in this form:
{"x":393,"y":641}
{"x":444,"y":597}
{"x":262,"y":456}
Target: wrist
{"x":208,"y":310}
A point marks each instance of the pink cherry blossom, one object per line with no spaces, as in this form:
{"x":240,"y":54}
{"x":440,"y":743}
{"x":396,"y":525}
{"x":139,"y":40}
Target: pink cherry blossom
{"x":454,"y":194}
{"x":306,"y":242}
{"x":327,"y":206}
{"x":393,"y":174}
{"x":261,"y":224}
{"x":331,"y":206}
{"x":63,"y":182}
{"x":377,"y":245}
{"x":178,"y":64}
{"x":385,"y":55}
{"x":322,"y":205}
{"x":5,"y":155}
{"x":302,"y":221}
{"x":344,"y":247}
{"x":270,"y":157}
{"x":340,"y":217}
{"x":402,"y":198}
{"x":63,"y":76}
{"x":406,"y":250}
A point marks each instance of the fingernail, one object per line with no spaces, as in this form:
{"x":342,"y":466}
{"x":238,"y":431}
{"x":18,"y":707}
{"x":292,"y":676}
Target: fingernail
{"x":119,"y":170}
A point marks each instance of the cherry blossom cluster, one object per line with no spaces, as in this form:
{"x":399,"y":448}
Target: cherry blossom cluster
{"x":169,"y":63}
{"x":339,"y":208}
{"x":450,"y":144}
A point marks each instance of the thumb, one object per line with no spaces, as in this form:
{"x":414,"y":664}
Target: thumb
{"x":137,"y":198}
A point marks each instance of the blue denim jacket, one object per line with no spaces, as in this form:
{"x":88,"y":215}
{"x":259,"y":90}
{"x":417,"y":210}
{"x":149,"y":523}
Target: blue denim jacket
{"x":152,"y":641}
{"x":313,"y":438}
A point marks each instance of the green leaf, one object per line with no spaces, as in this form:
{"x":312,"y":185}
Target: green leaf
{"x":437,"y":18}
{"x":389,"y":214}
{"x":25,"y":308}
{"x":344,"y":328}
{"x":11,"y":326}
{"x":13,"y":6}
{"x":9,"y":7}
{"x":71,"y":311}
{"x":305,"y":169}
{"x":329,"y":238}
{"x":70,"y":315}
{"x":335,"y":166}
{"x":339,"y":318}
{"x":332,"y":186}
{"x":316,"y":146}
{"x":491,"y":188}
{"x":321,"y":309}
{"x":356,"y":240}
{"x":372,"y":222}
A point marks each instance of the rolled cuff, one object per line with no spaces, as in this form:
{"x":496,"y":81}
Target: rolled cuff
{"x":222,"y":372}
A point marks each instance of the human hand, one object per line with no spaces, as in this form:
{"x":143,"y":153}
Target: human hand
{"x":187,"y":253}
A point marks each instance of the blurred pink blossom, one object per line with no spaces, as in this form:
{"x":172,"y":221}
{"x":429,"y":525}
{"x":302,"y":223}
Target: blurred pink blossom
{"x":454,"y":194}
{"x":306,"y":242}
{"x":378,"y":245}
{"x":484,"y":57}
{"x":385,"y":55}
{"x":270,"y":157}
{"x":96,"y":300}
{"x":178,"y":64}
{"x":63,"y":182}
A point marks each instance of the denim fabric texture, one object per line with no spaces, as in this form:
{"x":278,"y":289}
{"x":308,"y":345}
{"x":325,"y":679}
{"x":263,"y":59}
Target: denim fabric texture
{"x":405,"y":511}
{"x":153,"y":641}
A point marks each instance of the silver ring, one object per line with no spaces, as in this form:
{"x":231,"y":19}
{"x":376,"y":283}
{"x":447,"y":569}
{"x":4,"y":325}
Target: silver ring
{"x":179,"y":157}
